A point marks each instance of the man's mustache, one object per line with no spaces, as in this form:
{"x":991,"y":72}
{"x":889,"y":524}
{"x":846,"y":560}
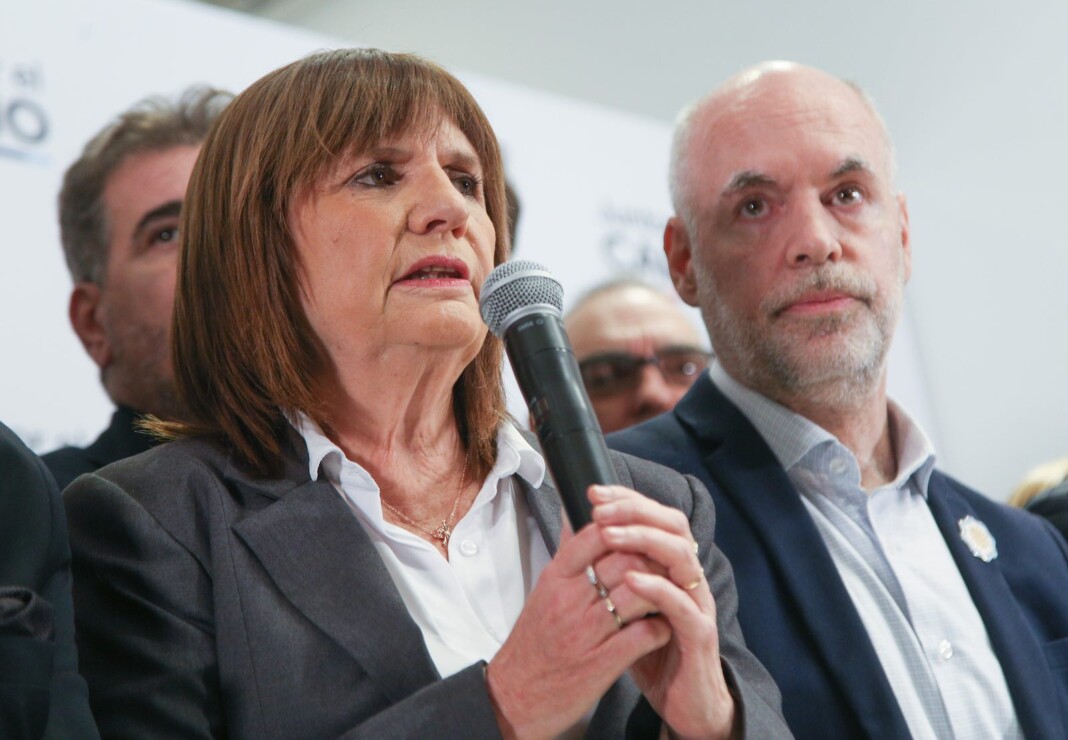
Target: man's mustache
{"x":827,"y":278}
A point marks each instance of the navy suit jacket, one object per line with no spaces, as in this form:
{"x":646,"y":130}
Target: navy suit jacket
{"x":795,"y":612}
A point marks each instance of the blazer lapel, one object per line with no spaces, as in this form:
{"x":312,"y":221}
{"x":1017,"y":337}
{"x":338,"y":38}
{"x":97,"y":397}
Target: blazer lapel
{"x":1022,"y":660}
{"x":747,"y":472}
{"x":314,"y":549}
{"x":545,"y":505}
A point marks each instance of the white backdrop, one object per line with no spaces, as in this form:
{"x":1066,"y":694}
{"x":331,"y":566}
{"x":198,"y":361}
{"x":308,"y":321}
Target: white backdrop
{"x":591,"y":181}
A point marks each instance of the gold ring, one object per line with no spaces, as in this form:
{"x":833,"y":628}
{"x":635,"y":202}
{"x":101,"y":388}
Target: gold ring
{"x":591,"y":576}
{"x":612,"y":610}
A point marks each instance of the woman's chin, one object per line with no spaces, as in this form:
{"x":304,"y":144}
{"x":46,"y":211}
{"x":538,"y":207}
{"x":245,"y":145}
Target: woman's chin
{"x":443,"y":332}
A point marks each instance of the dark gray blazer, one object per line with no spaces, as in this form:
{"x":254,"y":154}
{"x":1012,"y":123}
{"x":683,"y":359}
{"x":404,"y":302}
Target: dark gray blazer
{"x":213,"y":604}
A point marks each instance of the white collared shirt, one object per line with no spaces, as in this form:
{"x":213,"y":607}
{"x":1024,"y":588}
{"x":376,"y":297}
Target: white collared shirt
{"x":467,"y":605}
{"x":887,"y":548}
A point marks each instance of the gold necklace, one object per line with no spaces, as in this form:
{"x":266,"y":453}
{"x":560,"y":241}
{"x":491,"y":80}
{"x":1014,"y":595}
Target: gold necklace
{"x":444,"y":530}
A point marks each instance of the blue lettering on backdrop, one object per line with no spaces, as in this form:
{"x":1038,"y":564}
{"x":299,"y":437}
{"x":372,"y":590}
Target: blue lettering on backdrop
{"x":24,"y":124}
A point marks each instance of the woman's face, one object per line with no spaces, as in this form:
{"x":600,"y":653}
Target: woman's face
{"x":394,"y":245}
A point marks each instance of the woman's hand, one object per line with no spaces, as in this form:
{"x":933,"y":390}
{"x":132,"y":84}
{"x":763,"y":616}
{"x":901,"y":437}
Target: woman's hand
{"x":683,"y":679}
{"x":566,"y":648}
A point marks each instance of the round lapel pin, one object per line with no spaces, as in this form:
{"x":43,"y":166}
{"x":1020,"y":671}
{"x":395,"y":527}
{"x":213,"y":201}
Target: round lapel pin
{"x":978,"y":538}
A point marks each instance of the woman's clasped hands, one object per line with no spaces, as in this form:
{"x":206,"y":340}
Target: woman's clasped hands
{"x":627,"y":592}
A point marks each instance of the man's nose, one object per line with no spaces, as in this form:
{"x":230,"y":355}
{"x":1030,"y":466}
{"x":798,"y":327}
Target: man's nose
{"x":654,"y":393}
{"x":813,"y":235}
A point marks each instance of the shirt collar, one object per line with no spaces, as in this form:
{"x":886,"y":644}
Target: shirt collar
{"x":514,"y":456}
{"x":792,"y":437}
{"x":529,"y":464}
{"x":789,"y":435}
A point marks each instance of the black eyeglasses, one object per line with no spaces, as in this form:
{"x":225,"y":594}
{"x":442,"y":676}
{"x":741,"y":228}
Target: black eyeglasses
{"x":609,"y":373}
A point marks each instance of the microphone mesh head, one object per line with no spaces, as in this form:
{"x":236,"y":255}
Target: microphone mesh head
{"x":514,"y":287}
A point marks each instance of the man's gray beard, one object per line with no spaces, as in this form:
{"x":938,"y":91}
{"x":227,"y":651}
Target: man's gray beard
{"x":779,"y":363}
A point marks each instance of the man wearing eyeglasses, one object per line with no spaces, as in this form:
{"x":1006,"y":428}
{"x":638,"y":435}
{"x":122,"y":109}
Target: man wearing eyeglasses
{"x":886,"y":599}
{"x":638,"y":352}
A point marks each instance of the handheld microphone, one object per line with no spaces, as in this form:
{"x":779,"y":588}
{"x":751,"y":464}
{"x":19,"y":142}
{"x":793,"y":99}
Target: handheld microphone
{"x":522,"y":303}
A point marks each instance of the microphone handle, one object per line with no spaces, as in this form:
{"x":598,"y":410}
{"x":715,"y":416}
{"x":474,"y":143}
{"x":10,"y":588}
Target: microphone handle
{"x":563,"y":417}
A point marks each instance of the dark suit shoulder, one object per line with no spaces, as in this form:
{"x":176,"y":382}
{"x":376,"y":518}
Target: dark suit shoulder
{"x":649,"y":437}
{"x":665,"y":441}
{"x":34,"y":555}
{"x":29,"y":508}
{"x":176,"y":487}
{"x":67,"y":463}
{"x":1004,"y":520}
{"x":121,"y":439}
{"x":657,"y":481}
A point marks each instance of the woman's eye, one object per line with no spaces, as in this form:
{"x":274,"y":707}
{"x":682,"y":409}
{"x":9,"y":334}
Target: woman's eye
{"x":377,"y":175}
{"x":466,"y":184}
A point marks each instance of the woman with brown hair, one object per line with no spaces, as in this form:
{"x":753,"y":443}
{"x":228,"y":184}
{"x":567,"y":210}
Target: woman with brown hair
{"x":349,"y":537}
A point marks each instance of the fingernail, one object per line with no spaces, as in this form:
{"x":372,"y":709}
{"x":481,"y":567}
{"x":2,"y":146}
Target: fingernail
{"x":602,"y":493}
{"x":605,"y":511}
{"x":615,"y":535}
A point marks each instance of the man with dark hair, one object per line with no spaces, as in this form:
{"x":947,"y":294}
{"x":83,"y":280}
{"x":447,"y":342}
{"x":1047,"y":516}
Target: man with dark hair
{"x":886,"y":599}
{"x":637,"y":351}
{"x":118,"y":216}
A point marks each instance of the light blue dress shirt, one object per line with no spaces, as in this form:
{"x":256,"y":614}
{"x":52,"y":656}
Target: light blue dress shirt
{"x":890,"y":554}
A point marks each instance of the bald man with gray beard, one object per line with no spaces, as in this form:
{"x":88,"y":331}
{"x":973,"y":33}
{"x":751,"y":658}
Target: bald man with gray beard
{"x":886,"y":599}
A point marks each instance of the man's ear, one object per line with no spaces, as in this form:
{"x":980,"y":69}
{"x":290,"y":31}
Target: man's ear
{"x":680,"y":260}
{"x":85,"y":312}
{"x":906,"y":244}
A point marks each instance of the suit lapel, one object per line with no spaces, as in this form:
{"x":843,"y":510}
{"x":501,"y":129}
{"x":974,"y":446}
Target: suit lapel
{"x":545,"y":505}
{"x":1022,"y":660}
{"x":747,"y":472}
{"x":314,"y":549}
{"x":544,"y":502}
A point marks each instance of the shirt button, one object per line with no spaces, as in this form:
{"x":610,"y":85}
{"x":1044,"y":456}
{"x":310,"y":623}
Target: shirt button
{"x":945,"y":649}
{"x":838,"y":465}
{"x":468,"y":548}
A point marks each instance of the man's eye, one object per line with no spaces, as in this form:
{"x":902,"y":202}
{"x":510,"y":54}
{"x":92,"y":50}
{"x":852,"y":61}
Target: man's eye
{"x":166,"y":235}
{"x":848,"y":196}
{"x":754,"y":208}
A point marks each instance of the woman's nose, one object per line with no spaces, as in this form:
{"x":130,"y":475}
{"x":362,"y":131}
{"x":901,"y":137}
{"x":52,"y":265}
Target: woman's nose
{"x":439,"y":207}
